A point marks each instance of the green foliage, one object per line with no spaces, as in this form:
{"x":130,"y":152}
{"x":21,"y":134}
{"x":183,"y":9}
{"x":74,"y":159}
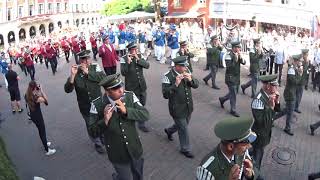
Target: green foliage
{"x":117,"y":7}
{"x":6,"y":170}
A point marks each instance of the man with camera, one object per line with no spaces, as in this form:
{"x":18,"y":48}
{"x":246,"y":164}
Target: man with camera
{"x":115,"y":114}
{"x":176,"y":87}
{"x":85,"y":80}
{"x":232,"y":76}
{"x":132,"y":66}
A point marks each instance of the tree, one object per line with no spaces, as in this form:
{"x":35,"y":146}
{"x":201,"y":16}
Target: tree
{"x":117,"y":7}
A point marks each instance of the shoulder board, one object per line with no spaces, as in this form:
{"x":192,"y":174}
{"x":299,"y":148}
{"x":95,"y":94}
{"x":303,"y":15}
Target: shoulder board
{"x":96,"y":99}
{"x":204,"y":174}
{"x":291,"y":71}
{"x":257,"y":104}
{"x":122,"y":60}
{"x":93,"y":108}
{"x":136,"y":100}
{"x":97,"y":67}
{"x":228,"y":57}
{"x":259,"y":96}
{"x":208,"y":162}
{"x":165,"y":78}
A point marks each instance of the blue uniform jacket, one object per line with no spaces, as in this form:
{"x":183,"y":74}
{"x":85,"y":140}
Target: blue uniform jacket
{"x":142,"y":38}
{"x":159,"y":38}
{"x":111,"y":37}
{"x":130,"y":37}
{"x":122,"y":37}
{"x":173,"y":41}
{"x":3,"y":67}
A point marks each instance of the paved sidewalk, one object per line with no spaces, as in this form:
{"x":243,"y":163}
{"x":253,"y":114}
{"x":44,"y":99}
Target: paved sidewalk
{"x":76,"y":158}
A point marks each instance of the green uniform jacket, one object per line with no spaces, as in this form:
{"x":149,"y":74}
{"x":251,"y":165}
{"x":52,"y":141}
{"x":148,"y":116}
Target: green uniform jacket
{"x":254,"y":61}
{"x":215,"y":164}
{"x":305,"y":75}
{"x":232,"y":76}
{"x":293,"y":79}
{"x":86,"y":86}
{"x":180,"y":98}
{"x":122,"y":140}
{"x":189,"y":55}
{"x":263,"y":116}
{"x":213,"y":55}
{"x":133,"y":73}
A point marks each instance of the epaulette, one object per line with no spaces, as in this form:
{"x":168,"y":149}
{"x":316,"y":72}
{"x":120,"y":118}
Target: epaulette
{"x":257,"y":104}
{"x":291,"y":71}
{"x":165,"y":79}
{"x":96,"y":99}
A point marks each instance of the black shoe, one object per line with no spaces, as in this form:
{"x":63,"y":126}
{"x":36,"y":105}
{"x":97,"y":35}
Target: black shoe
{"x":297,"y":111}
{"x":319,"y":107}
{"x":13,"y":111}
{"x":99,"y":149}
{"x":206,"y":82}
{"x":312,"y":130}
{"x":234,"y":113}
{"x":306,"y":88}
{"x":243,"y":89}
{"x":169,"y":135}
{"x":215,"y":87}
{"x":187,"y":154}
{"x":221,"y":103}
{"x":144,"y":129}
{"x":20,"y":110}
{"x":252,"y":96}
{"x":288,"y":131}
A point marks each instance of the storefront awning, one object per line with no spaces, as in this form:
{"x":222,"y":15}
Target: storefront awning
{"x":191,"y":14}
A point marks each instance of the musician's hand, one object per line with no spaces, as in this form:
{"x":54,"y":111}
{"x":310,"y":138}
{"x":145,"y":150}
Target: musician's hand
{"x":248,"y":168}
{"x":234,"y":172}
{"x":74,"y":70}
{"x":187,"y":76}
{"x":84,"y":69}
{"x":136,"y":55}
{"x":129,"y":59}
{"x":121,"y":106}
{"x":108,"y":111}
{"x":178,"y":79}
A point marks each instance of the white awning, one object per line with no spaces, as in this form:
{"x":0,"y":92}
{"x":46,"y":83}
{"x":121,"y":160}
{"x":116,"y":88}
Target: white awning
{"x":191,"y":14}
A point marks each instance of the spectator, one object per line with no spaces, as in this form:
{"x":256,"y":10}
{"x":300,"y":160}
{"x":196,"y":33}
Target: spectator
{"x":3,"y":68}
{"x":34,"y":97}
{"x":13,"y":88}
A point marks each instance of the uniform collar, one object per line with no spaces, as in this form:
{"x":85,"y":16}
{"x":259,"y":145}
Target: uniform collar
{"x":229,"y":160}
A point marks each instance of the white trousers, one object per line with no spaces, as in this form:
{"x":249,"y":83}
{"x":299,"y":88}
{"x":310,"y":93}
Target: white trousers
{"x":159,"y":52}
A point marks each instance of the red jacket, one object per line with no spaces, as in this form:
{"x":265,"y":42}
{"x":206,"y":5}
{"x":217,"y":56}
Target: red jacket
{"x":50,"y":51}
{"x":93,"y":42}
{"x":75,"y":46}
{"x":27,"y":59}
{"x":109,"y":59}
{"x":43,"y":51}
{"x":83,"y":45}
{"x":65,"y":45}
